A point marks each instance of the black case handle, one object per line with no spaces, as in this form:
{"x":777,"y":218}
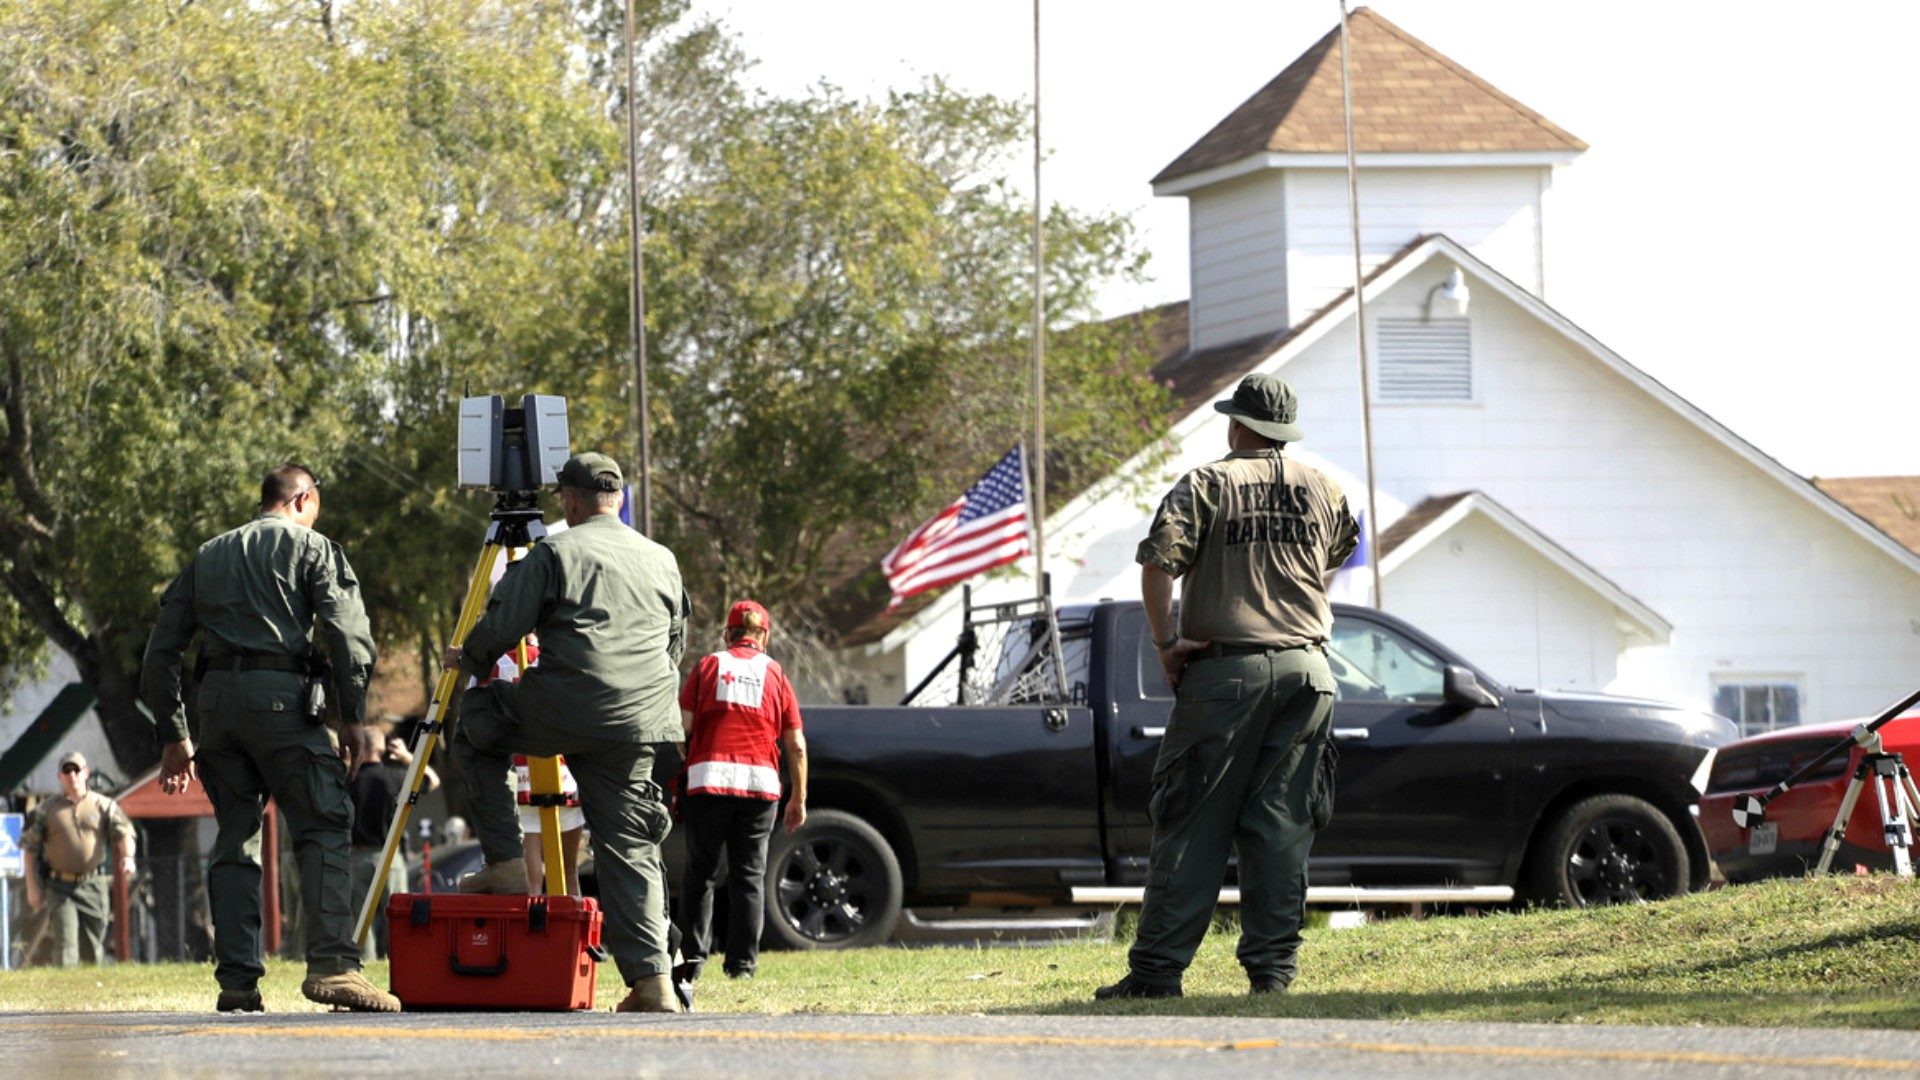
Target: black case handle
{"x":459,"y":968}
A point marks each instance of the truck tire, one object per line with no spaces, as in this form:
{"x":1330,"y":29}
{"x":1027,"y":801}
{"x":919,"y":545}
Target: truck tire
{"x":1609,"y":849}
{"x":835,"y":884}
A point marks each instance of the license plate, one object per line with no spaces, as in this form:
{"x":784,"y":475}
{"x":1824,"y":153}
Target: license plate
{"x":1765,"y":838}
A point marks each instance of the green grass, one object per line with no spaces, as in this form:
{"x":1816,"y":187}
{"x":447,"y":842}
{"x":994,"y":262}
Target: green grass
{"x":1834,"y":952}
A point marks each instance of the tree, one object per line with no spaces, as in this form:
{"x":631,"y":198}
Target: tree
{"x":842,"y":309}
{"x":238,"y":232}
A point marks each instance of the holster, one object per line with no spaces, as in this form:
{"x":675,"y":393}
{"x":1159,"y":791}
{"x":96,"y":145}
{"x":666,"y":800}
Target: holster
{"x":316,"y":677}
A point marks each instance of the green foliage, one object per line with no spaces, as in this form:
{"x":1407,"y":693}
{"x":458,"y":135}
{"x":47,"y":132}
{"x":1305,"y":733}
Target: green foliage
{"x":238,"y":232}
{"x":842,"y":308}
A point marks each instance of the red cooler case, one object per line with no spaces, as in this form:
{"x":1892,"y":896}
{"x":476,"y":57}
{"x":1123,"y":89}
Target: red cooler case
{"x":453,"y":951}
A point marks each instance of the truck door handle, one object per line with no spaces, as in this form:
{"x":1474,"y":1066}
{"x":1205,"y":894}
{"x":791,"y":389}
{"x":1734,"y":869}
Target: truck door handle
{"x":1140,"y":732}
{"x":1358,"y":734}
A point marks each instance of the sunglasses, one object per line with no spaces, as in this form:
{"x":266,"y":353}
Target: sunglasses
{"x":69,"y":768}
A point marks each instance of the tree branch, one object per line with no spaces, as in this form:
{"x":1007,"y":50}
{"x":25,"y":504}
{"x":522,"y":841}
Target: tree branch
{"x":19,"y":449}
{"x":42,"y":607}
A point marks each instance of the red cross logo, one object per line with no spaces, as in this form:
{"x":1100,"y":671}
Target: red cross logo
{"x":727,"y":678}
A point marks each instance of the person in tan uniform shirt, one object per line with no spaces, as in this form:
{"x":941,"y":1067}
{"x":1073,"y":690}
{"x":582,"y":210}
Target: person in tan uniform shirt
{"x":1251,"y":539}
{"x":66,"y":842}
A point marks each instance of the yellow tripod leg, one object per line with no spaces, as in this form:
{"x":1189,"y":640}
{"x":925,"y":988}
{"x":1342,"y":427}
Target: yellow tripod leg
{"x":475,"y":604}
{"x":544,"y":772}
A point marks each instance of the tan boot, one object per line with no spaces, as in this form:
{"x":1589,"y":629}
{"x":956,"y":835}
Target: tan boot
{"x":500,"y":879}
{"x":652,"y":994}
{"x":349,"y":990}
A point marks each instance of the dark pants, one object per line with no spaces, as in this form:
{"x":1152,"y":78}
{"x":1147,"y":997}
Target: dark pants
{"x":77,"y":913}
{"x":255,"y":742}
{"x":1235,"y":774}
{"x":738,"y":827}
{"x":624,"y":808}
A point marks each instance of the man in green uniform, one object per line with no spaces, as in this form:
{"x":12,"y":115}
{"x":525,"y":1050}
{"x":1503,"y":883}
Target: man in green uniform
{"x":611,"y":614}
{"x":1253,"y":538}
{"x":67,"y":841}
{"x":254,"y":595}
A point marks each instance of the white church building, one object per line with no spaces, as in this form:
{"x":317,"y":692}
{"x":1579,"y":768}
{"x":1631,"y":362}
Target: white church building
{"x":1550,"y":511}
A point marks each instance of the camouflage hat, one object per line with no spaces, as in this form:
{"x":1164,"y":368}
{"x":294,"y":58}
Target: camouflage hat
{"x":591,"y":472}
{"x":1267,"y":405}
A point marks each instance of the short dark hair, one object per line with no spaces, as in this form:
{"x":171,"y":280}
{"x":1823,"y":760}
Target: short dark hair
{"x":283,"y":483}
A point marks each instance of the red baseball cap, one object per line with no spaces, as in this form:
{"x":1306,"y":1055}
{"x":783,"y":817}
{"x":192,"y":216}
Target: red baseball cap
{"x":737,"y":615}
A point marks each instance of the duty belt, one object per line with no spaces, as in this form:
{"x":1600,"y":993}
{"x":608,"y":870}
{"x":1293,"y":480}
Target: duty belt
{"x":242,"y":662}
{"x":73,"y":879}
{"x":1218,"y":651}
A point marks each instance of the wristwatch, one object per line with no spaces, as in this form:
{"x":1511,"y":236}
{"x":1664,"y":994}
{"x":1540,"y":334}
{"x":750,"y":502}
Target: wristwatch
{"x":1163,"y":646}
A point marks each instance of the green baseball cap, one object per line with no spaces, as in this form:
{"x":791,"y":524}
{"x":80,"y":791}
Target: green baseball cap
{"x":1267,"y":405}
{"x":591,"y":472}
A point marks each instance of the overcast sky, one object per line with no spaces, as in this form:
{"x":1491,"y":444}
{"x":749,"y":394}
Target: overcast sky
{"x":1742,"y":229}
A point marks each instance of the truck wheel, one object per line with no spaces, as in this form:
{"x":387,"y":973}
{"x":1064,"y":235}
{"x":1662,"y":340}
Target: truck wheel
{"x":833,"y":885}
{"x":1610,"y":849}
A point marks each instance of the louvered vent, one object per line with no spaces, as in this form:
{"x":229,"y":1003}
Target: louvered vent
{"x":1425,"y":360}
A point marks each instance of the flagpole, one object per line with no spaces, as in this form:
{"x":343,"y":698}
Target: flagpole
{"x":637,"y":295}
{"x":1039,"y":339}
{"x":1360,"y":314}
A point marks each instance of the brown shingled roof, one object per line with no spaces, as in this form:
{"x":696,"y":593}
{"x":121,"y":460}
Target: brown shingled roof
{"x":1407,"y":98}
{"x":1888,"y":503}
{"x":1422,"y":515}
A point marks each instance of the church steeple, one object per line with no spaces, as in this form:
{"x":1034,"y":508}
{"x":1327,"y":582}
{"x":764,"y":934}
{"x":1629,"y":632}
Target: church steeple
{"x":1443,"y":151}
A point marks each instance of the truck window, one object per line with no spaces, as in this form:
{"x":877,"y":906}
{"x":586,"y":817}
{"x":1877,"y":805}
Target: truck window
{"x":1034,"y":686}
{"x":1153,"y":681}
{"x":1373,"y":663}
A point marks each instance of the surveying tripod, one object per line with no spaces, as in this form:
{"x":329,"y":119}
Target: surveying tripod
{"x":1893,"y":789}
{"x":513,"y":528}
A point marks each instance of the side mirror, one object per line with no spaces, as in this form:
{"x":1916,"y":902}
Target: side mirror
{"x":1463,"y":689}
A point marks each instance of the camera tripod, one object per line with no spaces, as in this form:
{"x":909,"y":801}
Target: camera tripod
{"x":1893,"y":790}
{"x":513,"y":528}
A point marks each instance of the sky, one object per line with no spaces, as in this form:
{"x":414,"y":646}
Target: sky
{"x":1741,"y":229}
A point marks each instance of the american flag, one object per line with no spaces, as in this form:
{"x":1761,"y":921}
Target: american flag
{"x":983,"y":528}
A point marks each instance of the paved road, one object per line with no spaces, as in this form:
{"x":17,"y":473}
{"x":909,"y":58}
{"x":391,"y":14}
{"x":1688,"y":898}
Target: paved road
{"x":837,"y":1047}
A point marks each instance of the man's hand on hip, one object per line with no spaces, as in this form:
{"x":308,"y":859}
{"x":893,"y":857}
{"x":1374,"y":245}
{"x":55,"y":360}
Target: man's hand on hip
{"x":1173,"y":658}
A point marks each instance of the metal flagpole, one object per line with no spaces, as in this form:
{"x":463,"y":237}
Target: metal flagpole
{"x":1039,"y":338}
{"x":1360,"y":314}
{"x":637,"y":293}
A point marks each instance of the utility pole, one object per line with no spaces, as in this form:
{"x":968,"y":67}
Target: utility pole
{"x":637,"y":293}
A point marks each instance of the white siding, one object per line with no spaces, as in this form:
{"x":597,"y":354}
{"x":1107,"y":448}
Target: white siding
{"x":18,"y":713}
{"x":1499,"y":603}
{"x":1752,"y":576}
{"x":1492,"y":212}
{"x":1238,"y":242}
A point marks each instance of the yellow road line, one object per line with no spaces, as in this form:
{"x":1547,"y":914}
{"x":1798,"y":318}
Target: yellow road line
{"x":1082,"y":1042}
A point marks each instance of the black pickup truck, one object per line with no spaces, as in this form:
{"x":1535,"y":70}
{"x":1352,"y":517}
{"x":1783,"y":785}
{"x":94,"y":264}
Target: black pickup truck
{"x":1451,"y":788}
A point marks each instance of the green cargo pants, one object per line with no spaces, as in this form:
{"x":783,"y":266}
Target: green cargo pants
{"x":626,"y":813}
{"x":1235,"y":771}
{"x":77,"y":915}
{"x":256,"y":743}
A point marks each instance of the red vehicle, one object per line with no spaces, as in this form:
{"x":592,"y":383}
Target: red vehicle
{"x":1788,"y":841}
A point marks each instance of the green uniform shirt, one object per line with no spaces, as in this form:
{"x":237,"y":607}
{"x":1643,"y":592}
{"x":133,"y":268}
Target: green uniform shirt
{"x":1253,"y":537}
{"x":612,"y":618}
{"x":258,"y":590}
